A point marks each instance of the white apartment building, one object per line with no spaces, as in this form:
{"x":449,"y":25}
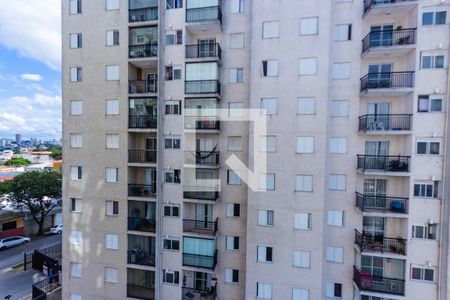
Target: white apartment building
{"x":353,"y":203}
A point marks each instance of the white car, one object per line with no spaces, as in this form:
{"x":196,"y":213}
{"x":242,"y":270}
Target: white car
{"x":57,"y":229}
{"x":13,"y":241}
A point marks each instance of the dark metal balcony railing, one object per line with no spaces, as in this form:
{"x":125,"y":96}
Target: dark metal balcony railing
{"x":204,"y":14}
{"x":142,"y":156}
{"x":368,"y":4}
{"x":202,"y":87}
{"x":367,"y":282}
{"x":211,"y":50}
{"x":143,"y":14}
{"x":137,"y":51}
{"x":201,"y":194}
{"x":202,"y":123}
{"x":394,"y":122}
{"x":206,"y":158}
{"x":389,"y":38}
{"x":200,"y":261}
{"x":142,"y":190}
{"x":197,"y":294}
{"x":143,"y":86}
{"x":381,"y":203}
{"x":141,"y":224}
{"x":379,"y":243}
{"x":387,"y":80}
{"x":140,"y":292}
{"x":383,"y":163}
{"x":201,"y":227}
{"x":139,"y":257}
{"x":142,"y":121}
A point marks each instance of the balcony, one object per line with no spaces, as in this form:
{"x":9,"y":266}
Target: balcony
{"x":190,"y":293}
{"x":397,"y":42}
{"x":200,"y":193}
{"x":380,"y":163}
{"x":142,"y":121}
{"x":206,"y":123}
{"x":202,"y":158}
{"x":204,"y":14}
{"x":379,"y":243}
{"x":200,"y":227}
{"x":385,"y":123}
{"x":367,"y":282}
{"x":370,"y":203}
{"x":142,"y":156}
{"x":200,"y":261}
{"x":142,"y":51}
{"x":140,"y":284}
{"x":141,"y":224}
{"x":202,"y":87}
{"x":138,"y":87}
{"x":391,"y":8}
{"x":142,"y":190}
{"x":144,"y":14}
{"x":387,"y":83}
{"x":204,"y":51}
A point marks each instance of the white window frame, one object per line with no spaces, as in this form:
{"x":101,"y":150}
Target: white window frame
{"x":268,"y":143}
{"x":339,"y":108}
{"x":111,"y":174}
{"x":265,"y":218}
{"x":306,"y":106}
{"x":111,"y":241}
{"x":233,"y":177}
{"x":341,"y":71}
{"x":304,"y":183}
{"x":76,"y":107}
{"x":112,"y":107}
{"x":343,"y":32}
{"x":270,"y":29}
{"x":112,"y":141}
{"x":307,"y":66}
{"x":109,"y":208}
{"x":76,"y":270}
{"x":112,"y":5}
{"x":335,"y":254}
{"x":267,"y":181}
{"x":263,"y":290}
{"x":76,"y":140}
{"x":335,"y":218}
{"x":111,"y":275}
{"x":305,"y":145}
{"x":269,"y":106}
{"x":337,"y":182}
{"x":338,"y":145}
{"x":272,"y":68}
{"x":230,"y":213}
{"x":112,"y":38}
{"x":303,"y":221}
{"x":112,"y":73}
{"x":309,"y":26}
{"x":237,"y":40}
{"x":237,"y":6}
{"x":236,"y":147}
{"x":302,"y":259}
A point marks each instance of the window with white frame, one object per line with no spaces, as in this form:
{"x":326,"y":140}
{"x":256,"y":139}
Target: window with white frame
{"x":233,"y":177}
{"x":309,"y":26}
{"x":237,"y":40}
{"x":335,"y":218}
{"x":112,"y":38}
{"x":302,"y":259}
{"x":111,"y":275}
{"x":171,"y":244}
{"x":426,"y":189}
{"x":74,"y":297}
{"x":112,"y":72}
{"x":303,"y":183}
{"x":112,"y":107}
{"x":172,"y":142}
{"x":339,"y":108}
{"x":268,"y":106}
{"x":111,"y":174}
{"x":305,"y":144}
{"x":333,"y":290}
{"x":307,"y":66}
{"x":235,"y":109}
{"x":111,"y":208}
{"x":76,"y":40}
{"x":234,"y":143}
{"x":267,"y":182}
{"x":237,"y":6}
{"x":271,"y":29}
{"x":172,"y":107}
{"x":338,"y":145}
{"x":268,"y":143}
{"x":263,"y":290}
{"x":337,"y":182}
{"x":75,"y":74}
{"x":422,"y":273}
{"x":74,"y":7}
{"x":343,"y":32}
{"x":265,"y":217}
{"x":76,"y":205}
{"x":428,"y":147}
{"x":236,"y":75}
{"x":112,"y":4}
{"x":434,"y":18}
{"x":270,"y":68}
{"x":335,"y":254}
{"x":112,"y":141}
{"x":341,"y":70}
{"x":430,"y":103}
{"x":432,"y":61}
{"x":300,"y":294}
{"x":173,"y":73}
{"x":174,"y":37}
{"x":306,"y":106}
{"x":76,"y":107}
{"x":264,"y":254}
{"x":76,"y":140}
{"x":75,"y":238}
{"x":172,"y":210}
{"x":172,"y":176}
{"x":172,"y":277}
{"x":111,"y":241}
{"x":233,"y":210}
{"x":231,"y":276}
{"x":302,"y":221}
{"x":231,"y":243}
{"x":424,"y":231}
{"x":75,"y":270}
{"x":174,"y":4}
{"x":76,"y":172}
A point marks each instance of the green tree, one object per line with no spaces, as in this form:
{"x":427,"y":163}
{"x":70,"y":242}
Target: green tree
{"x":56,"y":152}
{"x":5,"y":187}
{"x":30,"y":189}
{"x":17,"y":162}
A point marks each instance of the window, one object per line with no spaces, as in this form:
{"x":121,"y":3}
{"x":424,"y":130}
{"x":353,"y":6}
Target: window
{"x":233,"y":177}
{"x":172,"y":143}
{"x":337,"y":182}
{"x":237,"y":40}
{"x":271,"y":30}
{"x":333,"y":290}
{"x":434,"y":18}
{"x":112,"y":72}
{"x":171,"y":211}
{"x":300,"y":294}
{"x":172,"y":107}
{"x":74,"y":297}
{"x":112,"y":208}
{"x":335,"y":218}
{"x":268,"y":106}
{"x":341,"y":70}
{"x":112,"y":174}
{"x":112,"y":4}
{"x":307,"y":66}
{"x":427,"y":231}
{"x":75,"y":238}
{"x":172,"y":4}
{"x":309,"y":26}
{"x":231,"y":276}
{"x":236,"y":75}
{"x":426,"y":189}
{"x":422,"y":273}
{"x":431,"y":103}
{"x":171,"y":244}
{"x":237,"y":6}
{"x":270,"y":68}
{"x":74,"y":7}
{"x":306,"y":106}
{"x":303,"y":183}
{"x":267,"y":182}
{"x":264,"y":254}
{"x":173,"y":73}
{"x":112,"y":107}
{"x":268,"y":143}
{"x":231,"y":243}
{"x":343,"y":32}
{"x":302,"y":259}
{"x":339,"y":108}
{"x":76,"y":172}
{"x":172,"y":176}
{"x":76,"y":205}
{"x":112,"y":241}
{"x":302,"y":221}
{"x":235,"y":109}
{"x":305,"y":144}
{"x":111,"y":275}
{"x":265,"y":217}
{"x":430,"y":61}
{"x":174,"y":37}
{"x":335,"y":254}
{"x":233,"y":210}
{"x":112,"y":38}
{"x":76,"y":140}
{"x":234,"y":143}
{"x":75,"y":74}
{"x":338,"y":145}
{"x":76,"y":108}
{"x":75,"y":270}
{"x":172,"y":277}
{"x":75,"y":40}
{"x":112,"y":141}
{"x":431,"y":148}
{"x":263,"y":290}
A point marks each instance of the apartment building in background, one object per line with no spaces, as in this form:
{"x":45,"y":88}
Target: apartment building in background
{"x":354,"y":201}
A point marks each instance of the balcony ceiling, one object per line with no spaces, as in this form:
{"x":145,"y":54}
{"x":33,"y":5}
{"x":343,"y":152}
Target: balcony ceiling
{"x":143,"y":63}
{"x":390,"y":10}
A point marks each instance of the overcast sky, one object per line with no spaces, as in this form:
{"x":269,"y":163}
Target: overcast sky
{"x":30,"y":59}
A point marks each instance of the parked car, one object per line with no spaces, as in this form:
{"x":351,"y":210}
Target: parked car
{"x":13,"y":241}
{"x":57,"y":229}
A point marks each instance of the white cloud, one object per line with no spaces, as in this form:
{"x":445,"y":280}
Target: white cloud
{"x":33,"y":28}
{"x":31,"y":77}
